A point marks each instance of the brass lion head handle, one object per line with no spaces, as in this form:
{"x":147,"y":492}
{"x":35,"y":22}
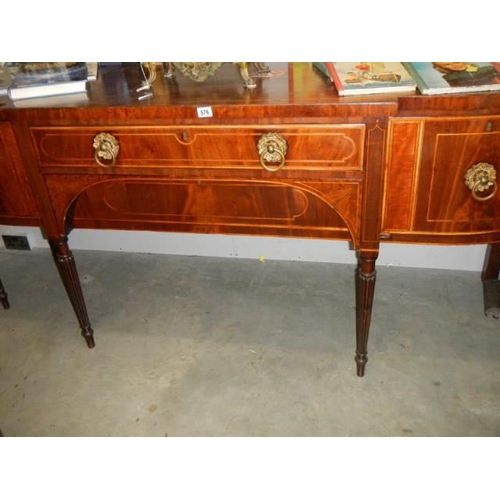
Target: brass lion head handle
{"x":272,"y":150}
{"x":106,"y":148}
{"x":481,"y":178}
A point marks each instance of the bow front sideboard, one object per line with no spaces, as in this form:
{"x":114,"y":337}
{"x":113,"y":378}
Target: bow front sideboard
{"x":287,"y":158}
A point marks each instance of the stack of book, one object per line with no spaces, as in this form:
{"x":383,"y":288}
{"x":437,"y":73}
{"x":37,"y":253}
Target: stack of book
{"x":431,"y":78}
{"x":44,"y":79}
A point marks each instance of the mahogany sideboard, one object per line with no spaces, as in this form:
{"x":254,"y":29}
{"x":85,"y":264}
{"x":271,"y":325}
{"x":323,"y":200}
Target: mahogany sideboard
{"x":286,"y":158}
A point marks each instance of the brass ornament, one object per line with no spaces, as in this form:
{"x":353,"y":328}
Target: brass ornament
{"x":197,"y":71}
{"x":272,"y":148}
{"x":481,"y":177}
{"x":150,"y":70}
{"x":106,"y":147}
{"x":201,"y":71}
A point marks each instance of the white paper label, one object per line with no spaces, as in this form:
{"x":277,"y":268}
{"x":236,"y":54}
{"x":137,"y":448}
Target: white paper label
{"x":205,"y":112}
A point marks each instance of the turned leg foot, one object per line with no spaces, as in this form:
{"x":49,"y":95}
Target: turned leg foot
{"x":361,"y":359}
{"x":365,"y":288}
{"x":4,"y":297}
{"x":66,"y":266}
{"x":88,"y":335}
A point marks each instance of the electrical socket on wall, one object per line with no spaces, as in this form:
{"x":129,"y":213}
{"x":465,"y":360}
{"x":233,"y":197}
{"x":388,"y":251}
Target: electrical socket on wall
{"x":16,"y":242}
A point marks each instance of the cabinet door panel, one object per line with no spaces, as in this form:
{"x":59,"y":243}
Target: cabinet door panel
{"x":17,"y":203}
{"x":426,"y":195}
{"x":444,"y":201}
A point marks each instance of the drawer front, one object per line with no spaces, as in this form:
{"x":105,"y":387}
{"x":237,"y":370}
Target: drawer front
{"x":442,"y":177}
{"x":308,"y":148}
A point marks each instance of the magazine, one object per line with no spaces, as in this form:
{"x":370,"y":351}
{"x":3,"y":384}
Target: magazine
{"x":454,"y":77}
{"x":359,"y":78}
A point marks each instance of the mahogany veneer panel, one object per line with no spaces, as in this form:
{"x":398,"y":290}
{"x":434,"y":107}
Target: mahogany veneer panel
{"x":310,"y":148}
{"x":17,"y":202}
{"x":426,"y":197}
{"x":301,"y":209}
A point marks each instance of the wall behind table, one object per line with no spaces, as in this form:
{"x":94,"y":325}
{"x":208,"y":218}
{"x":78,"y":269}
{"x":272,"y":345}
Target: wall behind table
{"x":465,"y":258}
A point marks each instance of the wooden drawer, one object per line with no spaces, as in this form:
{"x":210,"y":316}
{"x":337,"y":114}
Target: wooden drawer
{"x":309,"y":148}
{"x":426,"y":190}
{"x":17,"y":203}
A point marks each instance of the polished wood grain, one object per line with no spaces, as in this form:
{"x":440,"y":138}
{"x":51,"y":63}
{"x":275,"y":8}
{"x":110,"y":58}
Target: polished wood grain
{"x":305,"y":209}
{"x":17,"y":201}
{"x":361,"y":169}
{"x":426,"y":197}
{"x":311,"y":150}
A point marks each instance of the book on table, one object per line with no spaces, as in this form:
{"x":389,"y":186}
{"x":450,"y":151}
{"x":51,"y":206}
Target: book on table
{"x":435,"y":78}
{"x":360,"y":78}
{"x":79,"y":99}
{"x":37,"y":79}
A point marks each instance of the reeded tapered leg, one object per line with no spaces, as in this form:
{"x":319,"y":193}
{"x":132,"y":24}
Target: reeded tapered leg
{"x":365,"y":288}
{"x":66,"y":266}
{"x":491,"y":281}
{"x":3,"y":297}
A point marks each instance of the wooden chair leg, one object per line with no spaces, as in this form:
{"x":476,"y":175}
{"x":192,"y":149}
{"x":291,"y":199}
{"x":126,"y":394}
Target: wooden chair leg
{"x":3,"y":297}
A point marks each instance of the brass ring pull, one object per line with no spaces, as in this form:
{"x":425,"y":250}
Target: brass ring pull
{"x":477,"y":187}
{"x":272,"y":150}
{"x":106,"y":147}
{"x":482,"y":177}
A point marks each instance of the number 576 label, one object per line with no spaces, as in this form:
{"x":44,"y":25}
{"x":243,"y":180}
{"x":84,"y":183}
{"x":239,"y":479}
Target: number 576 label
{"x":204,"y":112}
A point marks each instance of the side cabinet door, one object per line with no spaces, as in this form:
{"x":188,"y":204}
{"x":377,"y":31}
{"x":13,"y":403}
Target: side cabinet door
{"x":442,"y":178}
{"x":452,"y":152}
{"x":17,"y":203}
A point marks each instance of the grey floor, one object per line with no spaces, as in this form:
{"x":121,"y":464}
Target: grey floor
{"x":190,"y":346}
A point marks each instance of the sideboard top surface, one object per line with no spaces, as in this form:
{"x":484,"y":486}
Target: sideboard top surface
{"x":297,"y":91}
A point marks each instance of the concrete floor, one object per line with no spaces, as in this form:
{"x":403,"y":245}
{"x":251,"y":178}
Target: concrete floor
{"x":190,"y":346}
